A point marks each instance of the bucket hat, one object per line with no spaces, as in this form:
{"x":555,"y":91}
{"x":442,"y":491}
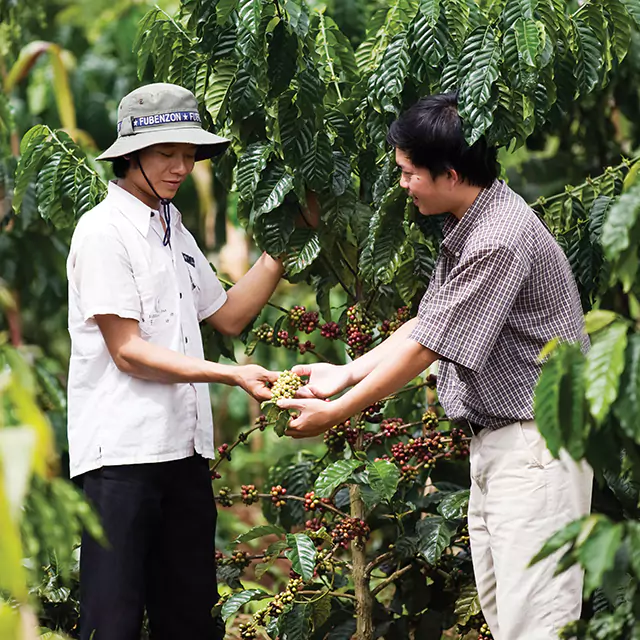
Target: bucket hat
{"x":161,"y":113}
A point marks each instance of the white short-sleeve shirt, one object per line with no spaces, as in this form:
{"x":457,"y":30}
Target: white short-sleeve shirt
{"x":118,"y":265}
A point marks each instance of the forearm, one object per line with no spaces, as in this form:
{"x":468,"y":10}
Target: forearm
{"x":364,"y":365}
{"x":390,"y":374}
{"x":141,"y":359}
{"x":249,"y":295}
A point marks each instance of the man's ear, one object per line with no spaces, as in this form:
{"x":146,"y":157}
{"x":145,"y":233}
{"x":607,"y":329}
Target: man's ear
{"x":453,"y":177}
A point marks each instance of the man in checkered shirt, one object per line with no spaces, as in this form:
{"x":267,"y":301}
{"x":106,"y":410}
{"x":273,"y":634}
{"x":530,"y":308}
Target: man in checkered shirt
{"x":501,"y":289}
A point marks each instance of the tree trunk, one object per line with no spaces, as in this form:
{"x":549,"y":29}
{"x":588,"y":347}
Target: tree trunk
{"x":364,"y":601}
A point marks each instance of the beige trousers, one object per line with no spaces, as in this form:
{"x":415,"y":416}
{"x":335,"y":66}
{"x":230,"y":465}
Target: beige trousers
{"x":520,"y":496}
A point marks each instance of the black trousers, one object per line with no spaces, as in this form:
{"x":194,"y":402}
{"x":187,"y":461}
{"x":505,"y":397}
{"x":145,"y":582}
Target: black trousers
{"x":160,"y":521}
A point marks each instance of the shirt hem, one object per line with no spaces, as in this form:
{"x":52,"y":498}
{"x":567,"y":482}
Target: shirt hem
{"x":106,"y":461}
{"x":130,"y":314}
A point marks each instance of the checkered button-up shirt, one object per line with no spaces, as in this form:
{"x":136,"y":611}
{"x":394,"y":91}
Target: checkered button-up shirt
{"x":501,"y":289}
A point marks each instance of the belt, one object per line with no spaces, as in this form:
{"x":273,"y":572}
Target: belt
{"x":474,"y":427}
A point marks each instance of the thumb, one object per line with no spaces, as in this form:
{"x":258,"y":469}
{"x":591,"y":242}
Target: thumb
{"x":302,"y":369}
{"x":291,"y":403}
{"x":316,"y":392}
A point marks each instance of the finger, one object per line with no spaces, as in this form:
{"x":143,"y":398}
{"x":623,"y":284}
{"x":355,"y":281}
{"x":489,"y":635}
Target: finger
{"x":316,"y":392}
{"x":302,"y":369}
{"x":272,"y":376}
{"x":291,"y":403}
{"x":305,"y":392}
{"x":297,"y":434}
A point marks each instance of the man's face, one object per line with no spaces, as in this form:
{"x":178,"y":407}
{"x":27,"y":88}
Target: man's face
{"x":166,"y":166}
{"x":430,"y":196}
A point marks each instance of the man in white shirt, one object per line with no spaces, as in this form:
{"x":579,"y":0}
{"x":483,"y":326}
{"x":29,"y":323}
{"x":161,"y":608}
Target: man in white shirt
{"x":140,"y":424}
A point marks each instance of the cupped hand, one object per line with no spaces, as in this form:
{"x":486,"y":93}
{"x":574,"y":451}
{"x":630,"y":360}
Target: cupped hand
{"x":325,"y":380}
{"x":312,"y":416}
{"x":256,"y":381}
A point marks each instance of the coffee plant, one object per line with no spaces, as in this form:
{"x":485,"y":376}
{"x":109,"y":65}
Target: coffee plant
{"x":374,"y":530}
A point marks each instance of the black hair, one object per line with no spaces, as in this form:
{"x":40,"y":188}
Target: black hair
{"x":120,"y":166}
{"x":431,"y":133}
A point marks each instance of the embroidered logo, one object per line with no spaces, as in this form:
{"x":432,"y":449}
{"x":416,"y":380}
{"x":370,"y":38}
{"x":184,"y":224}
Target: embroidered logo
{"x":189,"y":260}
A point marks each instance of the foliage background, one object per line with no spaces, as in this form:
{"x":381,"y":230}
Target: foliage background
{"x":260,"y":77}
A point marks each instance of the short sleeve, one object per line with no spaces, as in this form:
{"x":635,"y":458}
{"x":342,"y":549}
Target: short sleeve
{"x":212,"y":293}
{"x":462,"y":320}
{"x":103,"y":277}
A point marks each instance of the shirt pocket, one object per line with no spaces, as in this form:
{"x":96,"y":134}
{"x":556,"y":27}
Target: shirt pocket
{"x":157,"y":303}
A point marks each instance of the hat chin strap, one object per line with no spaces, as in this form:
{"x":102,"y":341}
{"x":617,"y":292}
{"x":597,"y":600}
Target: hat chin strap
{"x":166,"y":208}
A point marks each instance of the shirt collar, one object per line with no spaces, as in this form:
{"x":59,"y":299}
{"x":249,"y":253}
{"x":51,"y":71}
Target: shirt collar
{"x":137,"y":211}
{"x":456,"y":232}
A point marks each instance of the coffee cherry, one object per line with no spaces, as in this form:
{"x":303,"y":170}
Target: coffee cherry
{"x":285,"y":386}
{"x":431,"y":381}
{"x":430,"y":420}
{"x":264,"y":333}
{"x":349,"y":529}
{"x":307,"y":346}
{"x":261,"y":421}
{"x":373,"y":413}
{"x":485,"y":633}
{"x":223,"y":451}
{"x":391,"y":428}
{"x":295,"y":315}
{"x":335,"y":439}
{"x":240,"y":559}
{"x":248,"y":631}
{"x":308,"y":321}
{"x":315,"y":524}
{"x":224,"y":498}
{"x":330,"y":330}
{"x":277,"y":494}
{"x":249,"y":494}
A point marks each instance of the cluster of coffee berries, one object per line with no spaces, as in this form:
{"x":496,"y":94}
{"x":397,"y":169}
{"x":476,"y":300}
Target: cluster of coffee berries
{"x":485,"y":633}
{"x":330,"y":330}
{"x":280,"y":602}
{"x":277,"y":494}
{"x":422,"y":449}
{"x":315,"y":524}
{"x":239,"y":558}
{"x":313,"y":503}
{"x":224,"y":497}
{"x":324,"y":562}
{"x":223,"y":452}
{"x":459,"y":446}
{"x":220,"y":558}
{"x":430,"y":420}
{"x":390,"y":428}
{"x":387,"y":327}
{"x":261,"y":421}
{"x":248,"y":631}
{"x":285,"y":386}
{"x":215,"y":475}
{"x":373,"y":413}
{"x":408,"y":473}
{"x":249,"y":494}
{"x":305,"y":346}
{"x":359,"y":331}
{"x":295,"y":314}
{"x":335,"y":438}
{"x":264,"y":333}
{"x":309,"y":321}
{"x":284,"y":339}
{"x":349,"y":529}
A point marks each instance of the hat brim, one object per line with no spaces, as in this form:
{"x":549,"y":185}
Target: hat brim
{"x":208,"y":144}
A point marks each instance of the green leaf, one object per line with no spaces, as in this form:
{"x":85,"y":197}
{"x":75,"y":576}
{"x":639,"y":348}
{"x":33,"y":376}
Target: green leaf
{"x":620,"y":221}
{"x":294,"y":624}
{"x":605,"y":363}
{"x":321,"y":611}
{"x":598,"y":319}
{"x":305,"y":256}
{"x":435,"y":536}
{"x":259,"y":532}
{"x":588,"y":58}
{"x":547,"y":400}
{"x":250,"y":167}
{"x":275,"y":184}
{"x":527,"y":40}
{"x":333,"y":476}
{"x":597,"y":551}
{"x":455,"y":505}
{"x":236,"y":601}
{"x":430,"y":9}
{"x":619,"y":23}
{"x":302,"y":554}
{"x":468,"y":604}
{"x":633,"y":543}
{"x":219,"y":83}
{"x":383,"y":477}
{"x":390,"y":78}
{"x":558,"y":540}
{"x":317,"y":164}
{"x":627,"y":407}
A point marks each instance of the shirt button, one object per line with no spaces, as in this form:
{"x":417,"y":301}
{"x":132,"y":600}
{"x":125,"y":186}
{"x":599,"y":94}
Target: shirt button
{"x":180,"y":296}
{"x":457,"y":254}
{"x":186,"y":340}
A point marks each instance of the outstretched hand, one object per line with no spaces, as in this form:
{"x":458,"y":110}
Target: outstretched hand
{"x":313,"y":416}
{"x":256,"y":381}
{"x":325,"y":380}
